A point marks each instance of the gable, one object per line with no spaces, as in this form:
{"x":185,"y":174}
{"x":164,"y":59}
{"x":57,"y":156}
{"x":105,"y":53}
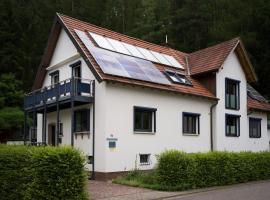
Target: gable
{"x":232,"y":68}
{"x":245,"y":63}
{"x":64,"y":49}
{"x":213,"y":58}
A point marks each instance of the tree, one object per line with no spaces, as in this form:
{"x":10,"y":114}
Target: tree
{"x":11,"y":97}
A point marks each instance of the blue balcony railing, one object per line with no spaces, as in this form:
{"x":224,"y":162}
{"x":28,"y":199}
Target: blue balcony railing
{"x":57,"y":92}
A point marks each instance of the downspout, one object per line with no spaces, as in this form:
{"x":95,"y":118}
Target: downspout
{"x":93,"y":176}
{"x":211,"y":126}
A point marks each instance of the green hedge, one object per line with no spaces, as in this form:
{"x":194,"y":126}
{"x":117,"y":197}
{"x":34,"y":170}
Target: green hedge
{"x":41,"y":173}
{"x":184,"y":171}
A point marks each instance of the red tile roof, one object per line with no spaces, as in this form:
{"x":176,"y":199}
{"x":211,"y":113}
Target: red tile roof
{"x":254,"y":104}
{"x":202,"y":61}
{"x":211,"y":58}
{"x":197,"y":89}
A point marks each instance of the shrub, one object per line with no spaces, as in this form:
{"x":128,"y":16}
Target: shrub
{"x":41,"y":173}
{"x":182,"y":170}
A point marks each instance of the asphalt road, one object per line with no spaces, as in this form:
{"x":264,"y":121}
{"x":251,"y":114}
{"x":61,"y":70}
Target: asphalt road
{"x":250,"y":191}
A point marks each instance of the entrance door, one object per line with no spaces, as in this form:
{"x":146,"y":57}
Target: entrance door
{"x":51,"y":135}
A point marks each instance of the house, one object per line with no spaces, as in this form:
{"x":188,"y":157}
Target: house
{"x":122,"y":101}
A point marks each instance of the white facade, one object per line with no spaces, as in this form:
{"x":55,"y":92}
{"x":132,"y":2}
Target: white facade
{"x":114,"y":105}
{"x":232,"y":69}
{"x":119,"y":104}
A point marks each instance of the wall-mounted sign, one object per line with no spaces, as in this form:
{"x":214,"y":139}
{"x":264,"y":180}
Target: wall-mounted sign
{"x":112,"y":142}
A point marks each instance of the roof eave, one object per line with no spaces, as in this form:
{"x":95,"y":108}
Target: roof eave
{"x":162,"y":89}
{"x":79,"y":49}
{"x":258,"y":109}
{"x":58,"y":24}
{"x":51,"y":43}
{"x":254,"y":77}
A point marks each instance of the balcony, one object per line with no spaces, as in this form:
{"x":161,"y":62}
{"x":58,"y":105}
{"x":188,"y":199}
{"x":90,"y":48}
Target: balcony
{"x":78,"y":90}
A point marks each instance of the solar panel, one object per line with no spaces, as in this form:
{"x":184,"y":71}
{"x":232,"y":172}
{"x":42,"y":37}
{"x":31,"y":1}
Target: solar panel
{"x":133,"y":68}
{"x":118,"y":46}
{"x":133,"y":50}
{"x":147,"y":54}
{"x":85,"y":40}
{"x":101,"y":41}
{"x":139,"y":52}
{"x":152,"y":72}
{"x":255,"y":94}
{"x":108,"y":62}
{"x":161,"y":58}
{"x":127,"y":66}
{"x":173,"y":61}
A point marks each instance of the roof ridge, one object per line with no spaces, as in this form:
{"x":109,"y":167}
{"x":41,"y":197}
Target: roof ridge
{"x":237,"y":39}
{"x":124,"y":35}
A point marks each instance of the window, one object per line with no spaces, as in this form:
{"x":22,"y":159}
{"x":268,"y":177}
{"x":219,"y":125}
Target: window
{"x":191,"y":123}
{"x":61,"y":129}
{"x":232,"y":100}
{"x":82,"y":120}
{"x":254,"y":128}
{"x":76,"y":71}
{"x":54,"y":77}
{"x":178,"y":78}
{"x":76,"y":74}
{"x":232,"y":125}
{"x":90,"y":159}
{"x":145,"y":159}
{"x":144,"y":119}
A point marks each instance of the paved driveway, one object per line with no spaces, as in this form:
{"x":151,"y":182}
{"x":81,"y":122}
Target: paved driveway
{"x":110,"y":191}
{"x":247,"y":191}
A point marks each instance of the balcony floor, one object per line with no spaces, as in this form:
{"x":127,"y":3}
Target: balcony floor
{"x":64,"y":103}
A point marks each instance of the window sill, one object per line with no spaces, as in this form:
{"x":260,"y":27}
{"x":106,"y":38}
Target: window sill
{"x":83,"y":132}
{"x":236,"y":109}
{"x":190,"y":134}
{"x":235,"y":136}
{"x":144,"y":132}
{"x":144,"y":164}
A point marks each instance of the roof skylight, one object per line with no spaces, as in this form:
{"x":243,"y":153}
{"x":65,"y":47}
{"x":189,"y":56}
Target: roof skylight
{"x":178,"y":78}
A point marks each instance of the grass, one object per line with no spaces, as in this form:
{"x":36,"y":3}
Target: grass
{"x":137,"y":178}
{"x":177,"y":171}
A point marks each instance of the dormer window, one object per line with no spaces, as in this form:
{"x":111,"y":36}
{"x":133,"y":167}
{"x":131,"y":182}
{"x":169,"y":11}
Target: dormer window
{"x":178,"y":78}
{"x":232,"y":100}
{"x":54,"y":77}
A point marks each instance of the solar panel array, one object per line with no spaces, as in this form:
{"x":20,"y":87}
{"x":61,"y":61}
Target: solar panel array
{"x":254,"y":94}
{"x":127,"y":66}
{"x":84,"y":38}
{"x":139,"y":52}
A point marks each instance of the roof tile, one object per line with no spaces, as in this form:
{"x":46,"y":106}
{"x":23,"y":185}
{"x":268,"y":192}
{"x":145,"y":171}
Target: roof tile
{"x":197,"y":89}
{"x":210,"y":58}
{"x":258,"y":105}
